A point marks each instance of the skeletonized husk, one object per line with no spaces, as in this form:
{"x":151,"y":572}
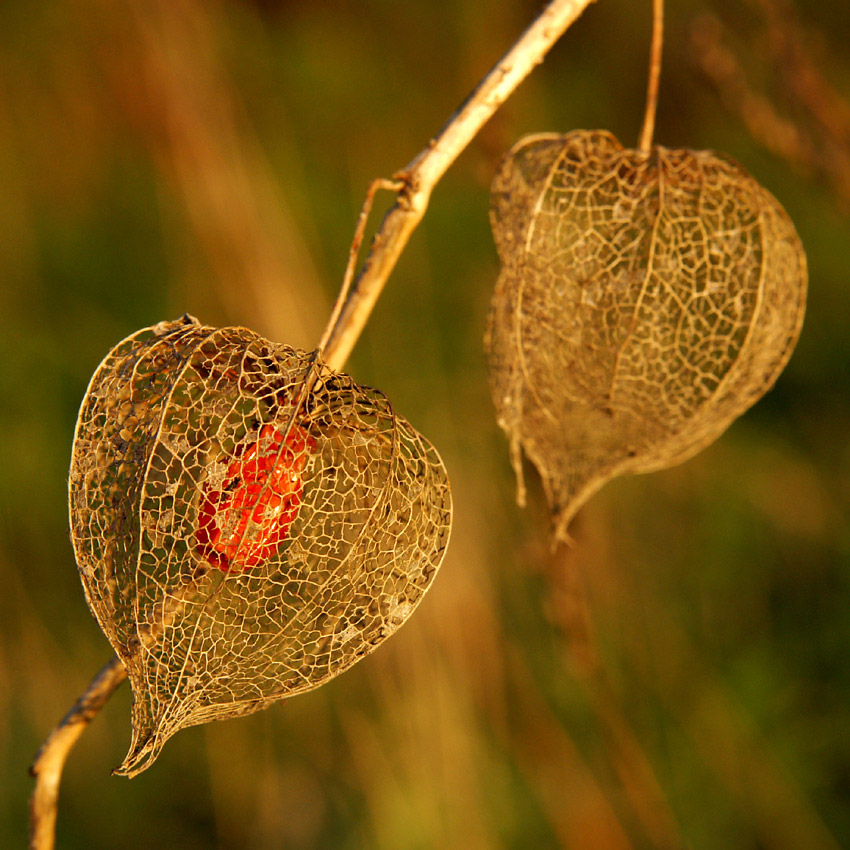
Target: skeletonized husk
{"x":169,"y":414}
{"x":645,"y":301}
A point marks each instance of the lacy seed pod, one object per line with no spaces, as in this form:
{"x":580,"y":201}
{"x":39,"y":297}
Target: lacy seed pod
{"x":247,"y":523}
{"x":645,"y":301}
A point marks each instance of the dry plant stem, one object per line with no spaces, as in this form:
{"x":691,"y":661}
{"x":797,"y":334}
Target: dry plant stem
{"x":425,"y":170}
{"x":415,"y":184}
{"x":645,"y":141}
{"x":354,"y":251}
{"x":48,"y":764}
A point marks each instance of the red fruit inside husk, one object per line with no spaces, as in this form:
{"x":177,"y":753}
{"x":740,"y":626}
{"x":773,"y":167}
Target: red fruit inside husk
{"x":243,"y":523}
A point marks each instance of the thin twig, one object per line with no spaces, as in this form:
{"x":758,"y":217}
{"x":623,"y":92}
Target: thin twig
{"x":414,"y":184}
{"x":648,"y":128}
{"x":354,"y":252}
{"x":425,"y":170}
{"x":48,"y":764}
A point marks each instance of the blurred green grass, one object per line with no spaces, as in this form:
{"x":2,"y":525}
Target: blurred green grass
{"x":681,"y":678}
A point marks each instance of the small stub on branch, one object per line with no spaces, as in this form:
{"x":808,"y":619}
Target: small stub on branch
{"x":645,"y":301}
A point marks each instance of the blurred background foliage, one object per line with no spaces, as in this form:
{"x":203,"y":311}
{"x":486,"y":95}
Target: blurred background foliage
{"x":681,"y":678}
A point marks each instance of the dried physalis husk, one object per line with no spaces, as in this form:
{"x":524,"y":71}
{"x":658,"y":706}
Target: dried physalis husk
{"x":645,"y":301}
{"x":247,"y":523}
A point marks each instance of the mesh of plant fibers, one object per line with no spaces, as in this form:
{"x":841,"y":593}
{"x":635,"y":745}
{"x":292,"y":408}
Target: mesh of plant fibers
{"x":645,"y":301}
{"x":247,"y":523}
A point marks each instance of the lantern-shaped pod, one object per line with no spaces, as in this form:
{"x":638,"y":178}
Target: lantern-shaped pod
{"x":247,"y":523}
{"x":645,"y":301}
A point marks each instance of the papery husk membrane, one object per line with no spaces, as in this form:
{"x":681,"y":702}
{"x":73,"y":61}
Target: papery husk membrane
{"x":645,"y":301}
{"x":166,"y":412}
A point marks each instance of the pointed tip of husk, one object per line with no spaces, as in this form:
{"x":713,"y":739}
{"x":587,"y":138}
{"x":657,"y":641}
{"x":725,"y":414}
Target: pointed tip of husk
{"x":144,"y":750}
{"x":565,"y":504}
{"x":560,"y":535}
